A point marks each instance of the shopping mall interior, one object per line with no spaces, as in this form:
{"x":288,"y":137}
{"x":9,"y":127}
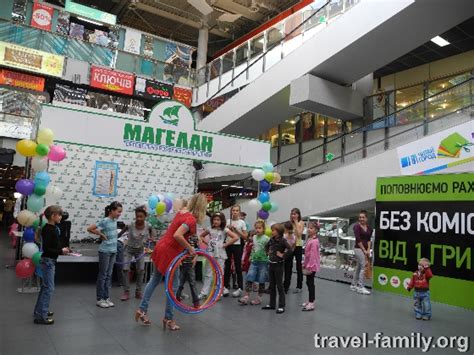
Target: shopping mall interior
{"x":315,"y":152}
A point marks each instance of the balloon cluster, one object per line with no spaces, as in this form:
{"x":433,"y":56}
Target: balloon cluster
{"x":265,"y":177}
{"x":37,"y":190}
{"x":160,"y":204}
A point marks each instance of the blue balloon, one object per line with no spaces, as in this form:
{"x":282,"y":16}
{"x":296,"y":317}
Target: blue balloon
{"x":267,"y":167}
{"x":39,"y":271}
{"x":153,"y":201}
{"x":29,"y":235}
{"x":42,"y":178}
{"x":264,"y":197}
{"x":265,"y":186}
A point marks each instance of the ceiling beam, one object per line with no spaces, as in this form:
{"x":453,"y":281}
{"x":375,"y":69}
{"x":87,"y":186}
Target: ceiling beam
{"x":235,"y":8}
{"x":180,"y":19}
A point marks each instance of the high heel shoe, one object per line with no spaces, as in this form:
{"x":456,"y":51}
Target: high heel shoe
{"x":140,"y":315}
{"x":170,"y":324}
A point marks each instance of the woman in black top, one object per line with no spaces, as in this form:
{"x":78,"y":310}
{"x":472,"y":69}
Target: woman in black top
{"x":51,"y":250}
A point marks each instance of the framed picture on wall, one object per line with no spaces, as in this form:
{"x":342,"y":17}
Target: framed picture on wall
{"x":105,"y":179}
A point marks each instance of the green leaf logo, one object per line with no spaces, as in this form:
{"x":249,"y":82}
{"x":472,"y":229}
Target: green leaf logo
{"x":169,"y":113}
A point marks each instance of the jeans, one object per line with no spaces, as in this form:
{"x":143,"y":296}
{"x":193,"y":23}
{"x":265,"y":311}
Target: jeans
{"x":48,"y":267}
{"x":155,"y":280}
{"x":276,"y":282}
{"x":106,"y":267}
{"x":209,"y":276}
{"x":118,"y":263}
{"x":187,"y":273}
{"x":359,"y":279}
{"x":128,"y":255}
{"x":258,"y":272}
{"x":311,"y":288}
{"x":288,"y":272}
{"x":422,"y":304}
{"x":236,"y":251}
{"x":298,"y":253}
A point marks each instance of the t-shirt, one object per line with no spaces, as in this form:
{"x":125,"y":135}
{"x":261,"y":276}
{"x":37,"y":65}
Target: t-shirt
{"x":216,"y":240}
{"x":362,"y":236}
{"x":108,"y":226}
{"x":259,"y":253}
{"x":50,"y":241}
{"x":137,"y":237}
{"x":238,"y":224}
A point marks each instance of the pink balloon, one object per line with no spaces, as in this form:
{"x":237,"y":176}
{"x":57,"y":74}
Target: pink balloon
{"x":56,"y":153}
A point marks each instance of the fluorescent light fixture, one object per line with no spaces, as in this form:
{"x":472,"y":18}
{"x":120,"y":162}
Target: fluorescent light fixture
{"x":90,"y":21}
{"x":224,"y":185}
{"x":281,"y":184}
{"x":17,"y":195}
{"x":236,"y":187}
{"x":440,"y":41}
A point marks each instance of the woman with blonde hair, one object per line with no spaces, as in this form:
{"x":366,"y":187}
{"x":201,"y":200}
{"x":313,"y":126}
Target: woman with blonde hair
{"x":173,"y":242}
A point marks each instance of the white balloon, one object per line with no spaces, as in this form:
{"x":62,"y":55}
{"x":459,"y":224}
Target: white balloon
{"x":53,"y":193}
{"x":29,"y":249}
{"x":161,"y":197}
{"x":39,"y":164}
{"x":258,"y":174}
{"x":255,"y":204}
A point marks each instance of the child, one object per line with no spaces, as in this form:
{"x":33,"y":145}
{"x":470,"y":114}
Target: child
{"x":258,"y":271}
{"x":420,"y":281}
{"x":311,"y":263}
{"x":291,"y":239}
{"x":51,"y":251}
{"x":278,"y":250}
{"x":216,"y":246}
{"x":138,"y":233}
{"x":187,"y":273}
{"x":106,"y":229}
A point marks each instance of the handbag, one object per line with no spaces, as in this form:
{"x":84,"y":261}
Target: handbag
{"x":307,"y":272}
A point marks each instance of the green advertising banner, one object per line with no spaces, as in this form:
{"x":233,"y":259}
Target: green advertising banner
{"x":90,"y":12}
{"x":427,"y":216}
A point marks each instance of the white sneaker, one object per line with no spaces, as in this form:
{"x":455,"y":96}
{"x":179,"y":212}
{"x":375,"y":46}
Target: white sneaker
{"x":353,"y":288}
{"x":225,"y":293}
{"x":102,"y":304}
{"x":363,"y":291}
{"x":109,"y":302}
{"x":237,"y":293}
{"x":202,"y":296}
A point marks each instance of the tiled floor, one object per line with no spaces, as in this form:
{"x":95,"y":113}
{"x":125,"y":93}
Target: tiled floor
{"x":227,"y":328}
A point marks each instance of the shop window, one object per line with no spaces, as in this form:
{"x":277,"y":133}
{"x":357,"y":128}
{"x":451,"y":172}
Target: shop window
{"x":446,"y":83}
{"x":270,"y":136}
{"x":288,"y":132}
{"x":408,"y":96}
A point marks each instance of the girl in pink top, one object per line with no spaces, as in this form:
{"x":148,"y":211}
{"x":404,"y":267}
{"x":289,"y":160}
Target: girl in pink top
{"x":311,"y":263}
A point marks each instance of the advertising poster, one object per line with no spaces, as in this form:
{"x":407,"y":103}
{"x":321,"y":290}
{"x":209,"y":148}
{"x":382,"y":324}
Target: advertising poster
{"x":21,"y":80}
{"x":182,"y":95}
{"x":132,"y":42}
{"x":112,"y":80}
{"x":42,"y":16}
{"x":153,"y":90}
{"x":105,"y":179}
{"x":430,"y":217}
{"x":69,"y":94}
{"x":178,"y":60}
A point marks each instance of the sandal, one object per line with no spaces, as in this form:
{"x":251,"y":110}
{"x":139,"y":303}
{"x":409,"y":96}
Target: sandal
{"x":244,"y":300}
{"x":140,"y":315}
{"x":256,"y":301}
{"x":170,"y":324}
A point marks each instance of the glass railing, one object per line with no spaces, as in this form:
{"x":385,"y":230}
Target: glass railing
{"x":436,"y":112}
{"x":93,"y":53}
{"x":255,"y":56}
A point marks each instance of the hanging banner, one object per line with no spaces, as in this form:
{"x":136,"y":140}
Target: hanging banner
{"x":105,"y":179}
{"x":451,"y":150}
{"x":42,"y":16}
{"x":153,"y":90}
{"x":178,"y":60}
{"x":71,"y":95}
{"x":426,"y":217}
{"x":25,"y":81}
{"x":18,"y":57}
{"x":183,"y":95}
{"x":90,"y":12}
{"x":132,"y":41}
{"x":112,"y":80}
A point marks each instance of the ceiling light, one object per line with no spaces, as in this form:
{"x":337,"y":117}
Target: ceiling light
{"x":17,"y":195}
{"x":440,"y":41}
{"x":236,"y":187}
{"x":224,"y":185}
{"x":292,"y":122}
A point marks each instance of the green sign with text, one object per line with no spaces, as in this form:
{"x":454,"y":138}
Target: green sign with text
{"x":90,"y":13}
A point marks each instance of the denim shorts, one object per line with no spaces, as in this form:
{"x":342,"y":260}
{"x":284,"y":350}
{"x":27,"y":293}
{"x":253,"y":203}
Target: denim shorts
{"x":258,"y":272}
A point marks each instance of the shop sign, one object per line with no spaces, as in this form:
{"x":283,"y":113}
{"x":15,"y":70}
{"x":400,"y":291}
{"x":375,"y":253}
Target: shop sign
{"x":112,"y":80}
{"x":90,"y":12}
{"x":15,"y":130}
{"x":183,"y":95}
{"x":21,"y":80}
{"x":42,"y":16}
{"x":153,"y":90}
{"x":19,"y":57}
{"x":428,"y":216}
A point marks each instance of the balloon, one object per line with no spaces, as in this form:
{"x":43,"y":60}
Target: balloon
{"x":264,"y":197}
{"x":45,"y":136}
{"x":35,"y":203}
{"x":56,"y":153}
{"x":262,"y":214}
{"x":153,"y":201}
{"x":178,"y":204}
{"x":42,"y":150}
{"x":42,"y":178}
{"x":255,"y":204}
{"x":160,"y":208}
{"x":36,"y":258}
{"x":39,"y":272}
{"x":40,"y":189}
{"x":53,"y":193}
{"x":265,"y":186}
{"x":258,"y":174}
{"x":169,"y":204}
{"x":29,"y":235}
{"x":269,"y":177}
{"x":35,"y":224}
{"x":274,"y":207}
{"x":39,"y":164}
{"x":26,"y":148}
{"x":29,"y":249}
{"x":25,"y":217}
{"x":267,"y":167}
{"x":170,"y":196}
{"x":24,"y":269}
{"x":25,"y":187}
{"x":268,"y":231}
{"x":276,"y":178}
{"x":266,"y":206}
{"x":160,"y":197}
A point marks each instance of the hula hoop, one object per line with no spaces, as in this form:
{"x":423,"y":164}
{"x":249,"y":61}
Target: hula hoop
{"x":216,"y":289}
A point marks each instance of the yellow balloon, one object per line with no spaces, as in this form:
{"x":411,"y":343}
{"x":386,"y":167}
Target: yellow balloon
{"x":268,"y":232}
{"x":269,"y":176}
{"x":26,"y":148}
{"x":160,"y":208}
{"x":45,"y":136}
{"x":276,"y":178}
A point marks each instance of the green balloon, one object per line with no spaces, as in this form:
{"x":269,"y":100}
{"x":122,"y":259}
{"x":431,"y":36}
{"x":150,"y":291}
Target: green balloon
{"x":36,"y":223}
{"x":36,"y":258}
{"x":269,"y":176}
{"x":40,"y":190}
{"x":42,"y":150}
{"x":266,"y":206}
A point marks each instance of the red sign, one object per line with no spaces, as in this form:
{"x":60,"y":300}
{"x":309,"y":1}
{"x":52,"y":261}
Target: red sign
{"x":182,"y":95}
{"x":42,"y":16}
{"x":112,"y":80}
{"x":21,"y":80}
